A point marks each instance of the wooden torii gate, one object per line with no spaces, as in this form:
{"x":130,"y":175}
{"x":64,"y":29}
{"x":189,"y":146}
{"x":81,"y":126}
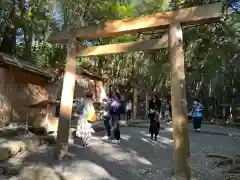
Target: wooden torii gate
{"x":172,"y":20}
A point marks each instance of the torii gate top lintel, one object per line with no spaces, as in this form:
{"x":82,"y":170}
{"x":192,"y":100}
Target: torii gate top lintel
{"x":195,"y":15}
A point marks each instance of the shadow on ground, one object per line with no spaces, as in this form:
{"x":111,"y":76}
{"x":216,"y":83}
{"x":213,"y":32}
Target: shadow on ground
{"x":134,"y":158}
{"x":137,"y":157}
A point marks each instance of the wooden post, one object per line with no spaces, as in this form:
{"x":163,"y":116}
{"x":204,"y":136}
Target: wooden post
{"x":179,"y":105}
{"x":12,"y":97}
{"x":47,"y":111}
{"x":146,"y":105}
{"x":11,"y":113}
{"x":47,"y":115}
{"x":66,"y":100}
{"x":134,"y":117}
{"x":27,"y":119}
{"x":95,"y":90}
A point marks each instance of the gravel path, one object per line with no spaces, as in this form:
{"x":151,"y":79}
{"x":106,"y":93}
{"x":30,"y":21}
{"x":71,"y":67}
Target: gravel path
{"x":138,"y":158}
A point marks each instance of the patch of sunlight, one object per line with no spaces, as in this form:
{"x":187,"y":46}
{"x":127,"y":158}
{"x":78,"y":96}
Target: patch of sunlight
{"x":140,"y":159}
{"x":3,"y":140}
{"x":161,"y":139}
{"x":19,"y":159}
{"x":145,"y":134}
{"x":143,"y":160}
{"x":116,"y":153}
{"x":95,"y":138}
{"x":169,"y":129}
{"x":148,"y":141}
{"x":86,"y":169}
{"x":165,"y":140}
{"x":153,"y":143}
{"x":125,"y":137}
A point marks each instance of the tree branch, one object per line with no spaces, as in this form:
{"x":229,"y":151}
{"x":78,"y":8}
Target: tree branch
{"x":84,"y":12}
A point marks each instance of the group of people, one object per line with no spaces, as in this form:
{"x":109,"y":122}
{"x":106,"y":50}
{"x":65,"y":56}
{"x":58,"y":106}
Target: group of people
{"x":113,"y":108}
{"x":163,"y":107}
{"x":165,"y":110}
{"x":111,"y":117}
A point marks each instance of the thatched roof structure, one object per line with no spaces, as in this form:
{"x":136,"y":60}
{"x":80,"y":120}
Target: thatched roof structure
{"x":6,"y":61}
{"x":24,"y":70}
{"x":80,"y":71}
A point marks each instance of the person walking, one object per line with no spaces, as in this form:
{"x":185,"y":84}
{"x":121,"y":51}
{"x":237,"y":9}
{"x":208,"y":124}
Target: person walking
{"x":151,"y":107}
{"x":87,"y":114}
{"x":128,"y":110}
{"x":197,"y":114}
{"x":151,"y":104}
{"x":154,"y":125}
{"x":115,"y":116}
{"x":168,"y":112}
{"x":106,"y":118}
{"x":158,"y":104}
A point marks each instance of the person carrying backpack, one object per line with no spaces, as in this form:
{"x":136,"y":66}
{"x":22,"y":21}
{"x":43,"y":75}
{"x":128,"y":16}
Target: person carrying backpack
{"x":197,"y":114}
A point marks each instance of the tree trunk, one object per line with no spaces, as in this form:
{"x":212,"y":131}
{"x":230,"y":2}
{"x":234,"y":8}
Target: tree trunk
{"x":146,"y":105}
{"x":133,"y":66}
{"x":134,"y":117}
{"x":9,"y":36}
{"x":179,"y":105}
{"x":9,"y":41}
{"x":66,"y":100}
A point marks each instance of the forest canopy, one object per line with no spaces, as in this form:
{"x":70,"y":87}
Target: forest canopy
{"x":211,"y":51}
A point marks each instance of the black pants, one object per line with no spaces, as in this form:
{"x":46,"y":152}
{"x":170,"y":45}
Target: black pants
{"x":197,"y":122}
{"x":129,"y":114}
{"x":107,"y":126}
{"x":115,"y":125}
{"x":154,"y":128}
{"x":170,"y":112}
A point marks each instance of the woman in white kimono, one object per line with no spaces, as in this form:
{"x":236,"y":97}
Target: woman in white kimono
{"x":87,"y":113}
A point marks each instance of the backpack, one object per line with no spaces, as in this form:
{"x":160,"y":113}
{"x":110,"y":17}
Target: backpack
{"x":115,"y":105}
{"x":90,"y":112}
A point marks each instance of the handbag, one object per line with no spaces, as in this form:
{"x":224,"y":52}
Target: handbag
{"x":90,"y":112}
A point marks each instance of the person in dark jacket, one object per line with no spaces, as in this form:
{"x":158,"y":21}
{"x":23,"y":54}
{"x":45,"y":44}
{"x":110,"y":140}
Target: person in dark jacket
{"x":151,"y":104}
{"x":107,"y":118}
{"x":154,"y":125}
{"x":158,"y":104}
{"x":115,"y":115}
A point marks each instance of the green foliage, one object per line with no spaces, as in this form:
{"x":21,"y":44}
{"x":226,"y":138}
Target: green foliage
{"x":211,"y":51}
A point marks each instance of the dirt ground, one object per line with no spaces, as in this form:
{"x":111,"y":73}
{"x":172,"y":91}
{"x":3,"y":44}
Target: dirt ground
{"x":137,"y":157}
